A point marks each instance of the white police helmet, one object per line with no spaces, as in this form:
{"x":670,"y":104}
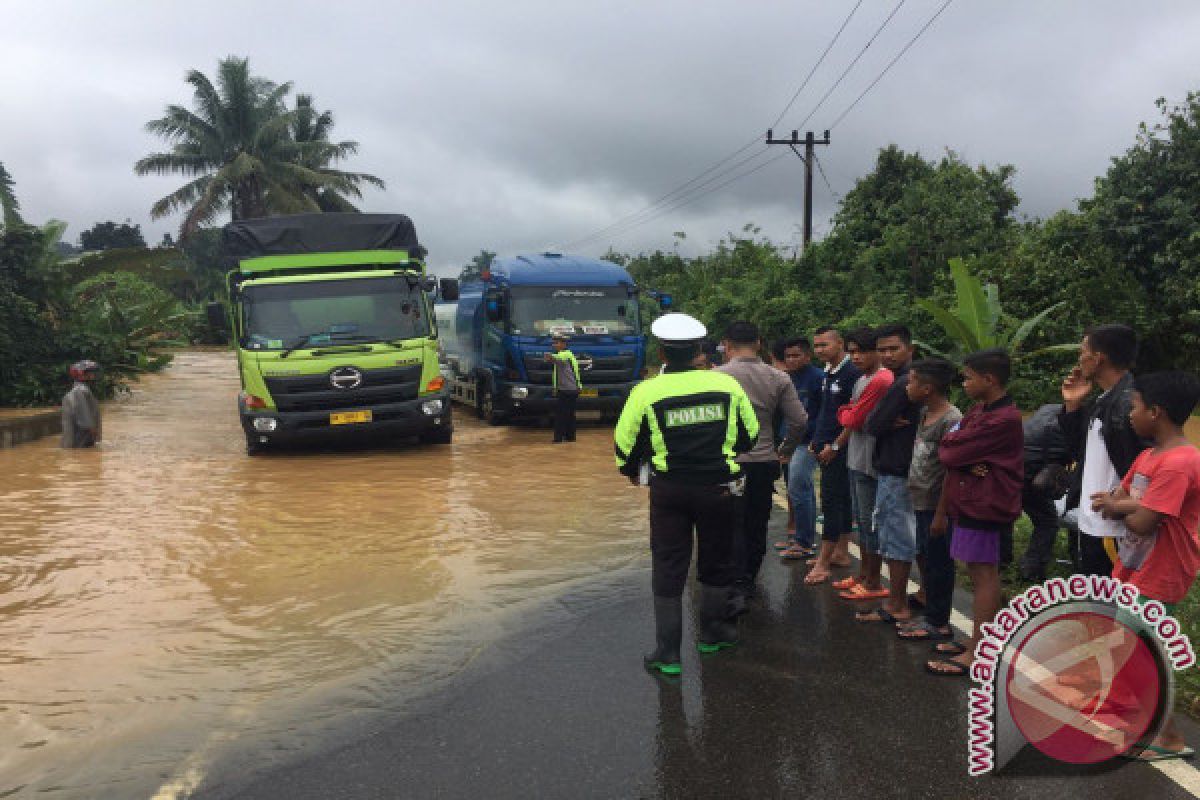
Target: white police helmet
{"x":678,"y":328}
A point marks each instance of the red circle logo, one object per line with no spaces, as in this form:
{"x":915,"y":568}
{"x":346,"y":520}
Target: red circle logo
{"x":1083,"y":688}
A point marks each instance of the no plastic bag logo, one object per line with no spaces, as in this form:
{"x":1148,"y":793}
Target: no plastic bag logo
{"x":1083,"y":687}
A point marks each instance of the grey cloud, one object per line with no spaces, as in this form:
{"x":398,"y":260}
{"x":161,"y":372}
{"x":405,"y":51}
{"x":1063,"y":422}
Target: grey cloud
{"x":524,"y":125}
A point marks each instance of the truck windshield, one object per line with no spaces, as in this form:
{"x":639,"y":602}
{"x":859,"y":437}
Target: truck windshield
{"x":538,"y":310}
{"x":284,"y":315}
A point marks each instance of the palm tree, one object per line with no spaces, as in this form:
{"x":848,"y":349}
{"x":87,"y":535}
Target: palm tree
{"x":310,"y":131}
{"x":237,"y":146}
{"x":10,"y":209}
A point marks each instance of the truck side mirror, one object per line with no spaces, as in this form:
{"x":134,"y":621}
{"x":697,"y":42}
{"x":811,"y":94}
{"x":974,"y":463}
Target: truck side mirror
{"x":449,"y":287}
{"x":493,"y":310}
{"x":218,"y":319}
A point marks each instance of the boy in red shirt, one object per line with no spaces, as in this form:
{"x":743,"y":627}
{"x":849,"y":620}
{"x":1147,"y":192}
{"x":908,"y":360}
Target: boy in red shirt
{"x":984,"y":458}
{"x":1159,"y":501}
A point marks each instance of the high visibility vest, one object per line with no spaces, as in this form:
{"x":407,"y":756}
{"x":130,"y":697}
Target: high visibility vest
{"x":569,"y":357}
{"x":688,"y":425}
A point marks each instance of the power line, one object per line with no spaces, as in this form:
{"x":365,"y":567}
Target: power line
{"x":892,"y":63}
{"x":620,"y":227}
{"x":698,"y":197}
{"x":684,"y":188}
{"x":857,"y":58}
{"x":828,"y":185}
{"x":820,"y":60}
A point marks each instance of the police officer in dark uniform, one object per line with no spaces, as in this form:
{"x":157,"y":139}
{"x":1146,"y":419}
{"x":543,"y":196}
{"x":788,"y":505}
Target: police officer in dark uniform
{"x":688,"y":425}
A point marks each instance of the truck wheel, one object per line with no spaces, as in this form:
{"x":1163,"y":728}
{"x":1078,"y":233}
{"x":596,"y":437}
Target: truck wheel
{"x":486,"y":405}
{"x":254,"y":447}
{"x":437,"y":436}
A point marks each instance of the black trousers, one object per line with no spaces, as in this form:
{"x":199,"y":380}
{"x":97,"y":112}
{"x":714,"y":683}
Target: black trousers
{"x":676,"y":510}
{"x":564,"y":415}
{"x":835,"y":498}
{"x":1093,"y":558}
{"x":939,"y":580}
{"x":753,"y":514}
{"x":1038,"y":505}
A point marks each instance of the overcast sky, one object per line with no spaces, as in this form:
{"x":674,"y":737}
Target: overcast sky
{"x":520,"y":126}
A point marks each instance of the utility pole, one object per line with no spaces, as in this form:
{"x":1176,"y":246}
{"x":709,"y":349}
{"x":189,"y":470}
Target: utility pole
{"x":809,"y":141}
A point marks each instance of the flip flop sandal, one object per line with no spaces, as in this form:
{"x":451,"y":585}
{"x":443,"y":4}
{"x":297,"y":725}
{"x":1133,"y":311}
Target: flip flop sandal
{"x":784,"y":545}
{"x":876,"y":615}
{"x":846,"y":583}
{"x":793,"y":553}
{"x":949,"y":648}
{"x":1151,"y":753}
{"x":956,"y":670}
{"x":922,"y":631}
{"x":860,"y":592}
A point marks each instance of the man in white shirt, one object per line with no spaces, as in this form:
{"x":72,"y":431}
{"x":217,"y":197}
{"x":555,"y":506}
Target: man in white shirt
{"x":1099,"y":435}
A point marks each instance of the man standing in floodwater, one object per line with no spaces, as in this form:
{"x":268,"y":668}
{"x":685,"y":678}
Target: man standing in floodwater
{"x":567,"y":386}
{"x":80,"y":409}
{"x":690,"y":425}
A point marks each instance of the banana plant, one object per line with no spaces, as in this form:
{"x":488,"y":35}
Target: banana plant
{"x":977,"y":320}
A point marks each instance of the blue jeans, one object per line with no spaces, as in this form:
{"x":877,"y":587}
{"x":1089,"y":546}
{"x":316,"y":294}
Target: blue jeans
{"x":896,"y":526}
{"x":802,"y":493}
{"x":862,"y":489}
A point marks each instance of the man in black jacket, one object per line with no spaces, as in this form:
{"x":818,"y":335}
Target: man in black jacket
{"x":1098,"y":434}
{"x":1045,"y":459}
{"x":893,"y":423}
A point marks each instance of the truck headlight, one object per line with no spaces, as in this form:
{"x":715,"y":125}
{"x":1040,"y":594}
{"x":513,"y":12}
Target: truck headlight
{"x":519,"y":392}
{"x":431,"y":407}
{"x":265,"y":424}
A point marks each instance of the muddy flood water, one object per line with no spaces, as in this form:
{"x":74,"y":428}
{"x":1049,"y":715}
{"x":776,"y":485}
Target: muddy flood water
{"x":169,"y":605}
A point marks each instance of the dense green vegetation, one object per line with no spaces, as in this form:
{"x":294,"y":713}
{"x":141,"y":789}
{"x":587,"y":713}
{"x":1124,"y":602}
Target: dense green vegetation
{"x":1129,"y":253}
{"x":120,"y":307}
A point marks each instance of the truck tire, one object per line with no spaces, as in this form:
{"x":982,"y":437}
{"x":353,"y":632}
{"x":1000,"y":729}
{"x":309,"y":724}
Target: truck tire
{"x":437,"y":436}
{"x":254,"y":447}
{"x":485,"y":405}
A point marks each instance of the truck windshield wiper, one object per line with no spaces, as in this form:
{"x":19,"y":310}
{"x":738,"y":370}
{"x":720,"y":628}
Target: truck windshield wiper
{"x":346,"y":337}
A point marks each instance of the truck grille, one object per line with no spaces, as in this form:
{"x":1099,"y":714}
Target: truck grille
{"x":605,"y":370}
{"x":316,"y":393}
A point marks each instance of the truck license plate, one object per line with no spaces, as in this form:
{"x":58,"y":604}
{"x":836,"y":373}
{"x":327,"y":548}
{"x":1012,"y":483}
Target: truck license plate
{"x":589,"y":393}
{"x":349,"y":417}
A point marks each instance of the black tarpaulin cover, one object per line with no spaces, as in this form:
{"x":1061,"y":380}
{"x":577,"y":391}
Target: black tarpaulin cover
{"x":320,"y":233}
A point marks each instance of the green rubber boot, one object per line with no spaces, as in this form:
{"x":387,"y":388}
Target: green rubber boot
{"x":668,"y":634}
{"x":716,"y":631}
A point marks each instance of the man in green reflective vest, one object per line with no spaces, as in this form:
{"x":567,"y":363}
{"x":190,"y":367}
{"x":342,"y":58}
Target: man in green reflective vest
{"x":688,"y":425}
{"x":567,"y":385}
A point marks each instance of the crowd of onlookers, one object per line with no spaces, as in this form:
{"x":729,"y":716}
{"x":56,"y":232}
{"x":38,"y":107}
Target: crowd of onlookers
{"x":917,"y":480}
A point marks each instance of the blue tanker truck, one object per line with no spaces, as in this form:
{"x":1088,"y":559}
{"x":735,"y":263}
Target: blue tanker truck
{"x":495,"y":337}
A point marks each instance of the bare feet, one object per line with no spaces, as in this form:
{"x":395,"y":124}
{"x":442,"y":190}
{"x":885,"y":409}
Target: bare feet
{"x":816,"y":575}
{"x":960,"y":665}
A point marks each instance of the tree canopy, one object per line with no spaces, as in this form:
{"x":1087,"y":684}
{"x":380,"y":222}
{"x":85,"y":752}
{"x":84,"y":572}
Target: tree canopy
{"x":109,"y":235}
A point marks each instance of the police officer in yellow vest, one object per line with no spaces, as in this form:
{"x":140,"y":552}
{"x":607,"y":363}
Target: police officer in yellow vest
{"x":689,"y":425}
{"x":567,"y":385}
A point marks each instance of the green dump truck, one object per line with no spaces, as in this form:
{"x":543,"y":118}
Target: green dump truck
{"x":332,"y":319}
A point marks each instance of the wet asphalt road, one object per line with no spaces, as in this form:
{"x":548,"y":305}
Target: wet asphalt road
{"x":811,"y":704}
